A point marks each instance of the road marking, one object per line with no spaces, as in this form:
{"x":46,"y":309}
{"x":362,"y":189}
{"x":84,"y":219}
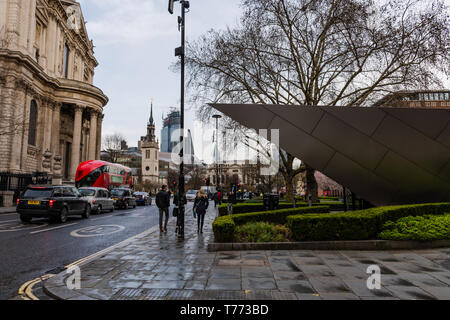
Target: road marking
{"x":26,"y":290}
{"x":6,"y":221}
{"x":96,"y":231}
{"x":109,"y":249}
{"x":7,"y":214}
{"x":55,"y":228}
{"x":15,"y":227}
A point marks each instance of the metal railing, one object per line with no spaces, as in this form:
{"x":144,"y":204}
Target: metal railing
{"x":19,"y":182}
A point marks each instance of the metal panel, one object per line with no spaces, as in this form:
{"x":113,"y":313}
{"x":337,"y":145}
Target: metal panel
{"x":306,"y":118}
{"x":432,"y":126}
{"x":362,"y":149}
{"x":412,"y":144}
{"x":444,"y":137}
{"x":349,"y":145}
{"x":291,"y":137}
{"x":365,"y":120}
{"x":368,"y":184}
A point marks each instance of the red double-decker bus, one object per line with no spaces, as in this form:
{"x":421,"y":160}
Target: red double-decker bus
{"x":103,"y":174}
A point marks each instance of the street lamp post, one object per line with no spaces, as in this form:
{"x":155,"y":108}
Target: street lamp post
{"x":217,"y":117}
{"x":181,"y":53}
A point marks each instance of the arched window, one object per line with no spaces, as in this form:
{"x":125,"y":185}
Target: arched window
{"x":32,"y":124}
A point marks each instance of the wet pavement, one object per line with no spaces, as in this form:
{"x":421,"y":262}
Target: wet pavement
{"x":161,"y":267}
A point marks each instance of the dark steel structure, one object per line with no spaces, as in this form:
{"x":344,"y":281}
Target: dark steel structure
{"x":181,"y":51}
{"x":385,"y":155}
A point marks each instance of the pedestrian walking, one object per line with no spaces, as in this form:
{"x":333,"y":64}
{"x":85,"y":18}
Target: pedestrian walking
{"x":176,"y":209}
{"x":163,"y":204}
{"x":201,"y":204}
{"x":216,"y":199}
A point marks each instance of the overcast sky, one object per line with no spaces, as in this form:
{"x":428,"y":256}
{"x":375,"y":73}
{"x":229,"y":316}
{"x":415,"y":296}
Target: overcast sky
{"x":134,"y":44}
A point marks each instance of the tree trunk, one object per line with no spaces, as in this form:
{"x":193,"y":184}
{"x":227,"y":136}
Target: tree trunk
{"x":311,"y":185}
{"x":289,"y":180}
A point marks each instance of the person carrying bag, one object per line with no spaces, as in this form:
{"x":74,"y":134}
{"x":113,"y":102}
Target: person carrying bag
{"x":200,"y":206}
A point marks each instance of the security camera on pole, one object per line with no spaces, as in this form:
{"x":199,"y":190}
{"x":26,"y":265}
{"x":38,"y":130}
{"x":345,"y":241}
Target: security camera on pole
{"x":180,"y":52}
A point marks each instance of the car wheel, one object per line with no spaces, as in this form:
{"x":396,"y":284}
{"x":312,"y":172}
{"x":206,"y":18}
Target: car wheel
{"x":25,"y":219}
{"x":63,"y":215}
{"x":87,"y":212}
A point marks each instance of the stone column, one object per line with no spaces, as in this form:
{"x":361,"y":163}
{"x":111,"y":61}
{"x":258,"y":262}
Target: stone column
{"x":56,"y":128}
{"x":93,"y":136}
{"x":99,"y":134}
{"x":48,"y":124}
{"x":19,"y":150}
{"x":76,"y":142}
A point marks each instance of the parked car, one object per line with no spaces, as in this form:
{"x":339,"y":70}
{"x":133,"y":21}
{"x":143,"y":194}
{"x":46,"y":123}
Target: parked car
{"x":54,"y":202}
{"x":191,"y":194}
{"x":98,"y":198}
{"x":123,"y":198}
{"x":143,"y":198}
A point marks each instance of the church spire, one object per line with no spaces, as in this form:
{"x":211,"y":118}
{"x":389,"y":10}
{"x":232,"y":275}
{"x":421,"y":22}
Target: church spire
{"x":152,"y":122}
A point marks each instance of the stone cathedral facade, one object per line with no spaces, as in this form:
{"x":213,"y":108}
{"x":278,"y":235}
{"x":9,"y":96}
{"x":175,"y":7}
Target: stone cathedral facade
{"x":50,"y":111}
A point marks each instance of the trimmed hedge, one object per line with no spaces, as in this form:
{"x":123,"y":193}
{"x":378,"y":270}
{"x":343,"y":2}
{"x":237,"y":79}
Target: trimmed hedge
{"x":357,"y":225}
{"x":426,"y":228}
{"x":258,"y":207}
{"x":224,"y":226}
{"x":258,"y":232}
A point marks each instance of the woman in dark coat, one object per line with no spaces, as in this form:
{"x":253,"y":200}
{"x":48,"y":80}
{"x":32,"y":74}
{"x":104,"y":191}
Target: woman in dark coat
{"x":200,"y":206}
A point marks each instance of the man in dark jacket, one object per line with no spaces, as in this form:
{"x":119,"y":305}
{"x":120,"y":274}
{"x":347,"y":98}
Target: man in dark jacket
{"x":163,"y":204}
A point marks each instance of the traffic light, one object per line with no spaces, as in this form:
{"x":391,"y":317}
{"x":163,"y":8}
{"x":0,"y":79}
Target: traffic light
{"x":208,"y":182}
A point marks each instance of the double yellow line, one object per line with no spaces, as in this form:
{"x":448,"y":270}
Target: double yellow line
{"x":26,"y":290}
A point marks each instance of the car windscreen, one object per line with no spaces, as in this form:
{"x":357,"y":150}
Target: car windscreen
{"x":191,"y":192}
{"x":38,"y":193}
{"x":117,"y":192}
{"x":87,"y":192}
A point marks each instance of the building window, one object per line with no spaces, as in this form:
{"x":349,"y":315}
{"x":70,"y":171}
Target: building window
{"x":32,"y":124}
{"x":66,"y":61}
{"x":147,"y":154}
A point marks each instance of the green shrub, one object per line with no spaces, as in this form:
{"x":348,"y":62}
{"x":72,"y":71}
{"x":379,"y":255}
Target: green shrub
{"x":329,"y":198}
{"x":261,"y":232}
{"x":356,"y":225}
{"x":258,"y":207}
{"x":224,"y":226}
{"x":223,"y":229}
{"x":424,"y":228}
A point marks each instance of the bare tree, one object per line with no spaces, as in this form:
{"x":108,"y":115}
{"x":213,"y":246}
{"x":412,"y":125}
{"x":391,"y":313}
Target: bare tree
{"x":321,"y":52}
{"x":112,"y":144}
{"x":198,"y":176}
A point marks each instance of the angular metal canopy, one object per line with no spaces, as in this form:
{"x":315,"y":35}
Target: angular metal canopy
{"x":385,"y":155}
